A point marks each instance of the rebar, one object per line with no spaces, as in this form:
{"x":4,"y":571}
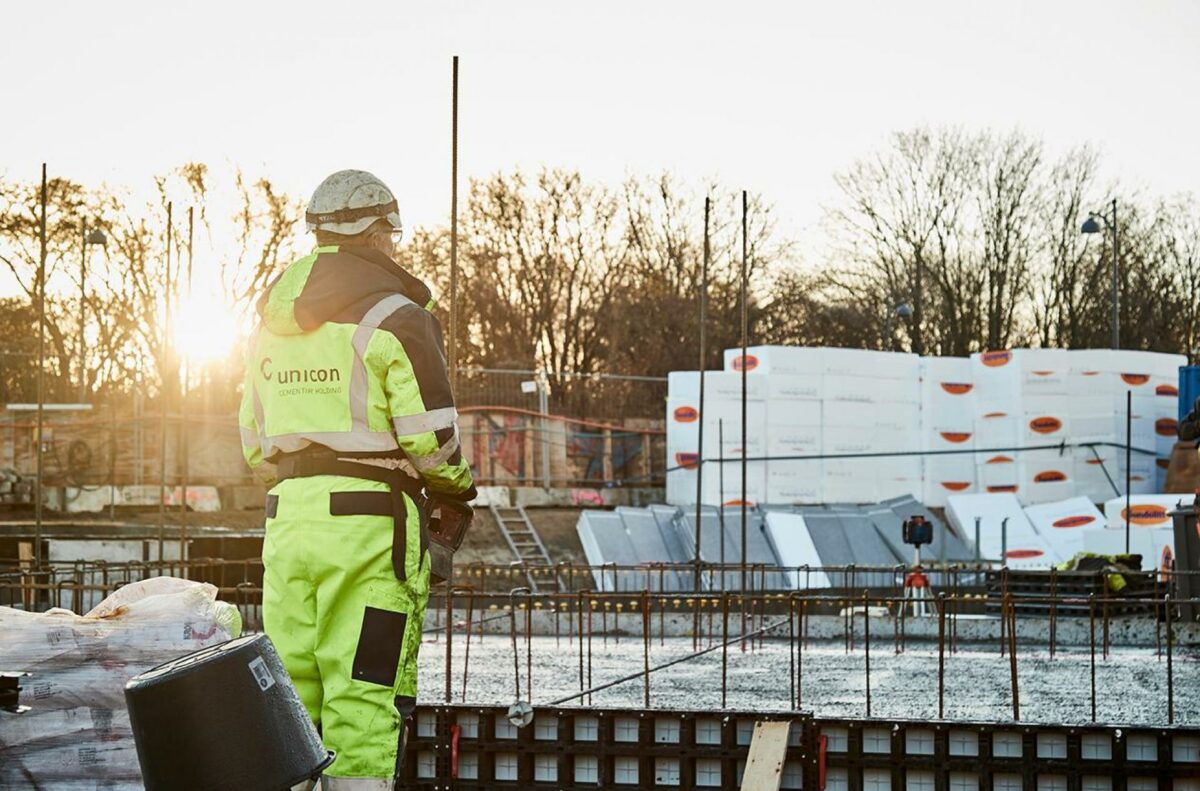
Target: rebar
{"x":941,"y":656}
{"x":867,"y":647}
{"x":1012,"y":660}
{"x":1092,"y":645}
{"x":1170,"y":663}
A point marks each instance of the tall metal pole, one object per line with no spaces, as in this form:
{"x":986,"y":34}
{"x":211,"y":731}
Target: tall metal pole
{"x":41,"y":384}
{"x":82,"y":306}
{"x":163,"y":352}
{"x":721,"y":494}
{"x":185,"y":415}
{"x":1116,"y":292}
{"x":745,"y":332}
{"x":1128,"y":460}
{"x":454,"y":227}
{"x":703,"y":359}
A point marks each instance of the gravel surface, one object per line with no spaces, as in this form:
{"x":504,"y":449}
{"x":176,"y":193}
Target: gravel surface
{"x":1131,"y":686}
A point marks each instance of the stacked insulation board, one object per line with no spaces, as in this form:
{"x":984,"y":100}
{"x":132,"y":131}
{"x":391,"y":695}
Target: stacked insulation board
{"x":855,"y":426}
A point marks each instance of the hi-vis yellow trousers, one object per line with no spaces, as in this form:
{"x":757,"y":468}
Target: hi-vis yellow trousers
{"x":347,"y":629}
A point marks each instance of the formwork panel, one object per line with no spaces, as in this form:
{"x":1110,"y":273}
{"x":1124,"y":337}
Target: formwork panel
{"x":646,"y":749}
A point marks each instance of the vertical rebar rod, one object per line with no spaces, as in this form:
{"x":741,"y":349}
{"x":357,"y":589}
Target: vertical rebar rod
{"x":1003,"y":611}
{"x":580,"y":608}
{"x":724,"y":646}
{"x":1012,"y":660}
{"x":589,"y":648}
{"x":1053,"y":610}
{"x":646,"y":648}
{"x":41,"y":375}
{"x":1092,"y":646}
{"x":792,"y":653}
{"x":800,"y":651}
{"x":512,"y":630}
{"x":184,"y":415}
{"x":941,"y":656}
{"x":721,"y":495}
{"x":1128,"y":420}
{"x":700,"y":428}
{"x":453,"y":350}
{"x":467,"y":650}
{"x":450,"y":640}
{"x":1170,"y":663}
{"x":745,"y":333}
{"x":867,"y":647}
{"x":83,"y":245}
{"x":164,"y":366}
{"x":1104,"y":632}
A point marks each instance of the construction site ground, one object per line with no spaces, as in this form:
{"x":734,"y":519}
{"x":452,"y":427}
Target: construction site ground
{"x":1131,"y":685}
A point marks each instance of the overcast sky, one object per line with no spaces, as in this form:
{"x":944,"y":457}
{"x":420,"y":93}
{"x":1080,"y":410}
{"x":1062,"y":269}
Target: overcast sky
{"x":775,"y":97}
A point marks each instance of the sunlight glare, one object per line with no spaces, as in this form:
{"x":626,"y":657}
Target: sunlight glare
{"x":206,"y":329}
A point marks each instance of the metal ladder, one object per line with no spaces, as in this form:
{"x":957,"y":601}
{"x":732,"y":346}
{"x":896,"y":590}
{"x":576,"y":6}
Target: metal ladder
{"x":522,"y":539}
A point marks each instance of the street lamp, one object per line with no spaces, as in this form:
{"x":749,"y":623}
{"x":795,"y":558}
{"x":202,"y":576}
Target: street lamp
{"x":903,"y":311}
{"x":1090,"y":225}
{"x":93,"y":237}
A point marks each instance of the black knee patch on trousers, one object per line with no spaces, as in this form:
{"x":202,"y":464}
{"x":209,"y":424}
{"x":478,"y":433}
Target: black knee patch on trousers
{"x":380,"y":642}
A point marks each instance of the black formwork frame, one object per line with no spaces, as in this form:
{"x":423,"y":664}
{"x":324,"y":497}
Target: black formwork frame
{"x":674,"y":748}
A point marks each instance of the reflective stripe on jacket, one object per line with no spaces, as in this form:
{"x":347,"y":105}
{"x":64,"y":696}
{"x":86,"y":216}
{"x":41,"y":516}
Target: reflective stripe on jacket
{"x":348,"y":356}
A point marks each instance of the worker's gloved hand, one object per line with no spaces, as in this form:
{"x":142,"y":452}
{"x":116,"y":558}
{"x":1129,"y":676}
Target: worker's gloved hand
{"x":449,"y":520}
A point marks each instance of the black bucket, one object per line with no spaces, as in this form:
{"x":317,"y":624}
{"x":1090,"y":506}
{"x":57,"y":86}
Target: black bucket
{"x":225,"y":718}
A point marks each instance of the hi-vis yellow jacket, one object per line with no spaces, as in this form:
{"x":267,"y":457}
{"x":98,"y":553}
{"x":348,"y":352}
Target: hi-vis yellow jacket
{"x":348,"y":356}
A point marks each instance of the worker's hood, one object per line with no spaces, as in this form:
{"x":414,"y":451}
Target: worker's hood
{"x":334,"y":284}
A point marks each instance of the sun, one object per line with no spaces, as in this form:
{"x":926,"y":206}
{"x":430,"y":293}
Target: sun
{"x":205,"y":329}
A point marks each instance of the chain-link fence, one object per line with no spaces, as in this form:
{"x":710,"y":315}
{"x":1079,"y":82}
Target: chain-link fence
{"x":519,"y":428}
{"x":607,"y":397}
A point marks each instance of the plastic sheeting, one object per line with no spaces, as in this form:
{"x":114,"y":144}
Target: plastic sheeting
{"x":77,"y":733}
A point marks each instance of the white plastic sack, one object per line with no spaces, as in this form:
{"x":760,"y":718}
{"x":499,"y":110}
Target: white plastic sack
{"x":77,"y":735}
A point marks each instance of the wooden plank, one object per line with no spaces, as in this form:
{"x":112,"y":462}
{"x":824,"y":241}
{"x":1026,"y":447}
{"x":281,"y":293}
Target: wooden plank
{"x":768,"y":749}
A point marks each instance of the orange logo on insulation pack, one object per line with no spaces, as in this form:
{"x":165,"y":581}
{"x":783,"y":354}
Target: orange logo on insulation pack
{"x":1045,"y":425}
{"x":995,"y":359}
{"x":686,"y":414}
{"x":1050,"y":476}
{"x":1006,"y":488}
{"x":1000,"y":460}
{"x":956,"y":436}
{"x":957,"y":388}
{"x":1167,"y":390}
{"x":688,"y":461}
{"x":1166,"y":427}
{"x":1023,"y":554}
{"x":736,"y":503}
{"x":1145,"y":514}
{"x":995,"y":414}
{"x":1042,"y":373}
{"x":747,"y":363}
{"x":956,"y":486}
{"x":1074,"y":521}
{"x":1135,"y":379}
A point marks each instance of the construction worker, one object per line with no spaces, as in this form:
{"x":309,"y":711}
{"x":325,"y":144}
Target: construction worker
{"x":346,"y":394}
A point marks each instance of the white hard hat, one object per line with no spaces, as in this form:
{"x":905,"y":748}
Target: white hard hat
{"x":349,"y":201}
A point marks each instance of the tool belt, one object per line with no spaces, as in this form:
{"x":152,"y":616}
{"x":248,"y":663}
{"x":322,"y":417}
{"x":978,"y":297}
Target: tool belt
{"x":309,"y":463}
